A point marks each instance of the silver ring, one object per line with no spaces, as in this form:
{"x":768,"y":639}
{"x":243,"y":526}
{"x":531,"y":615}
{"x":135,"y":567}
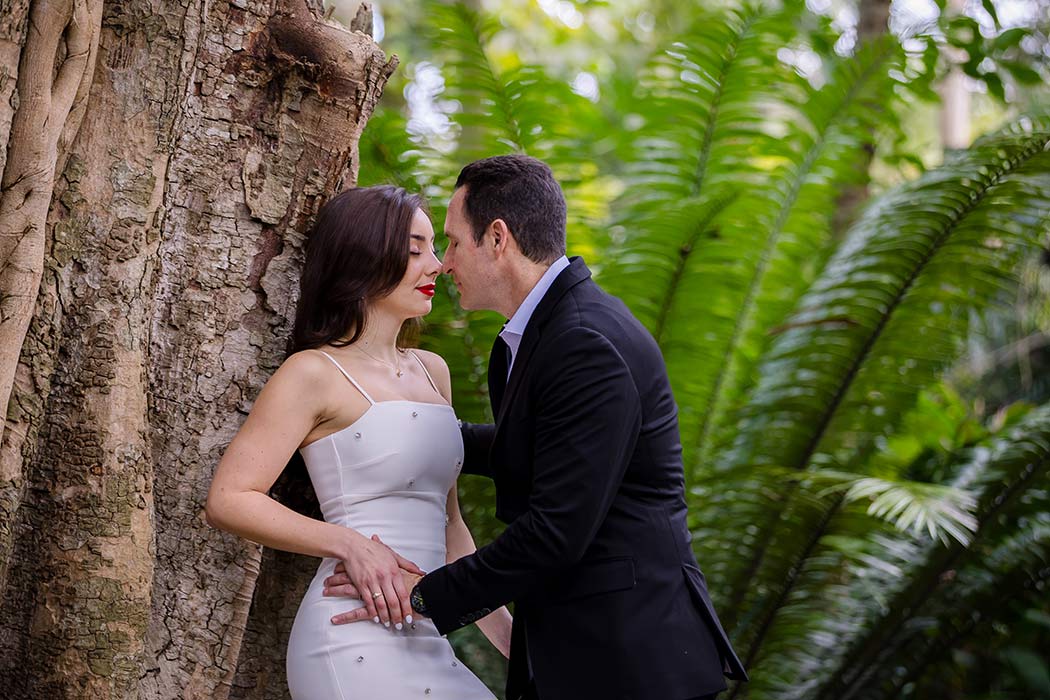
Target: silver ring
{"x":376,"y":595}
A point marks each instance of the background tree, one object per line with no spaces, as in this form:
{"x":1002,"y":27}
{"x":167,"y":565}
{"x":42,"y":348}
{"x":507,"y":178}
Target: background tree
{"x":161,"y":162}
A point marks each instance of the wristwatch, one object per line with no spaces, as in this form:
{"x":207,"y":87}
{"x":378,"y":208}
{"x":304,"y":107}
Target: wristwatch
{"x":415,"y":599}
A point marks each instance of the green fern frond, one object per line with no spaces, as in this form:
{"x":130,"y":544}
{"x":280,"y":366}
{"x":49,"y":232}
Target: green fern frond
{"x":890,"y":307}
{"x":854,"y":605}
{"x":859,"y":324}
{"x":943,"y":512}
{"x":387,"y":154}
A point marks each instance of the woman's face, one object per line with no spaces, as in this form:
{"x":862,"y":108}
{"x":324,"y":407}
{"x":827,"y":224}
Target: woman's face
{"x":413,"y":297}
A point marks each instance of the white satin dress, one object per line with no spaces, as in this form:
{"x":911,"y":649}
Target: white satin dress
{"x":388,"y":473}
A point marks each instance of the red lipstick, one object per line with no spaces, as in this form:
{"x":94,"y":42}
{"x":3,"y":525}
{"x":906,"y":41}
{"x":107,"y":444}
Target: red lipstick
{"x":426,"y":290}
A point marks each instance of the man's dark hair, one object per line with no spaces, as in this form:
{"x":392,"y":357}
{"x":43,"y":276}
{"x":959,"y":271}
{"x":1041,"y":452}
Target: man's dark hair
{"x":523,"y":192}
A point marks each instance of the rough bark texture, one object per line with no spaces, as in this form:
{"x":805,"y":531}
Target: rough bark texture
{"x":54,"y":73}
{"x":53,"y":69}
{"x":211,"y":133}
{"x":13,"y":15}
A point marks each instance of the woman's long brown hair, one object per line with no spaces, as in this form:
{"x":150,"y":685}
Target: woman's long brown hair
{"x":357,"y":252}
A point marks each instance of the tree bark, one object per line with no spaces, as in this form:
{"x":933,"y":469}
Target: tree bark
{"x":873,"y":18}
{"x":54,"y":73}
{"x":169,"y":252}
{"x":52,"y":70}
{"x":872,"y":22}
{"x":954,"y":118}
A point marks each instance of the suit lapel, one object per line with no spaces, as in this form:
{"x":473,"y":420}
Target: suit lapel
{"x":575,"y":273}
{"x":497,"y":373}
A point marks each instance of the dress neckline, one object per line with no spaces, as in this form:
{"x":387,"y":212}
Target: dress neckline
{"x":369,"y":409}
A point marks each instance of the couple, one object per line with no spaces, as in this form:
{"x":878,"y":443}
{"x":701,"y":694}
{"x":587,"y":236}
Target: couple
{"x":585,"y":455}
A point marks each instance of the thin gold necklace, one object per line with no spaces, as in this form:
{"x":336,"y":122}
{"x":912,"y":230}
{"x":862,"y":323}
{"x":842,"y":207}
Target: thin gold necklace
{"x":396,"y":367}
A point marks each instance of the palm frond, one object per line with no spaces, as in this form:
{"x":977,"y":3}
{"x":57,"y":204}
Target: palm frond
{"x":890,"y":308}
{"x":943,"y":512}
{"x":859,"y":596}
{"x":794,"y":216}
{"x":387,"y":154}
{"x":731,"y":202}
{"x":847,"y":366}
{"x":701,"y":106}
{"x":487,"y":118}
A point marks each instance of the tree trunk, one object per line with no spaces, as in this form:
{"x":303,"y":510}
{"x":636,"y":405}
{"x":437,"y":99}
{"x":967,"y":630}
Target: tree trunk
{"x":169,"y":241}
{"x":873,"y":18}
{"x":872,"y":22}
{"x":954,"y":117}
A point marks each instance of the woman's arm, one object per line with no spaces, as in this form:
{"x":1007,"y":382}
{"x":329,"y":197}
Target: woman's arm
{"x":458,"y":540}
{"x":289,"y":407}
{"x":459,"y":543}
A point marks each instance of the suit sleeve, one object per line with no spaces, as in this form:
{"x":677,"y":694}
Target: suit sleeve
{"x":477,"y":443}
{"x":587,"y":425}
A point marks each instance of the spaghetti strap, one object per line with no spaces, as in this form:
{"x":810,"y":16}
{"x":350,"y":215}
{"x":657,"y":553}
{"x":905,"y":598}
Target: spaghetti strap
{"x":349,"y":378}
{"x":426,"y":372}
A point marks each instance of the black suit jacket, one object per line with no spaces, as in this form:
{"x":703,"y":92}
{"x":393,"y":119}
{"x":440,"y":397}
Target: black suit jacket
{"x":586,"y":457}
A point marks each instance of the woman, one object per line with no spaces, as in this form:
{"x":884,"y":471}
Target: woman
{"x":374,"y":424}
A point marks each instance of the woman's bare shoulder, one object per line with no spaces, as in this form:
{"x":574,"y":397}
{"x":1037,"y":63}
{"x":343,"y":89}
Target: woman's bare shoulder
{"x":431,"y":359}
{"x":307,"y":368}
{"x":438,"y":369}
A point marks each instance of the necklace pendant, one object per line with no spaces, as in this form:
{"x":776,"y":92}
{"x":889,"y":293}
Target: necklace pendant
{"x":399,"y":373}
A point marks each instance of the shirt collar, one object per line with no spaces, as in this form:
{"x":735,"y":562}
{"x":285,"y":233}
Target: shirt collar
{"x":518,"y":322}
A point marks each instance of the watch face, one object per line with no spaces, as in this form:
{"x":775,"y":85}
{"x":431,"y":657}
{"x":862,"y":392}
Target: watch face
{"x":415,"y":599}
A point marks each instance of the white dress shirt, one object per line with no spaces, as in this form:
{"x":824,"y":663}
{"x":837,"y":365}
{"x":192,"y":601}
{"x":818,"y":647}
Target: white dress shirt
{"x":515,"y":328}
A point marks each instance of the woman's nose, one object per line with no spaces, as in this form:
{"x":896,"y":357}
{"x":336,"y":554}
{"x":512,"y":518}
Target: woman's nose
{"x":435,"y":264}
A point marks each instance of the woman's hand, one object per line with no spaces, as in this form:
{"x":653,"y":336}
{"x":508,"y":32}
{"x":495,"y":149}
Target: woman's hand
{"x":375,"y":571}
{"x":375,"y":574}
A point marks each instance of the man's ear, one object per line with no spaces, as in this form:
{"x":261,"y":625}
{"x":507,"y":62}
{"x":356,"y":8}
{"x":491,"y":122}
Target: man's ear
{"x":501,"y":237}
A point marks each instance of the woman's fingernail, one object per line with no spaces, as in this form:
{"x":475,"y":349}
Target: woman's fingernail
{"x":398,"y":626}
{"x":335,"y":620}
{"x":386,"y":624}
{"x":408,"y":619}
{"x":376,"y":619}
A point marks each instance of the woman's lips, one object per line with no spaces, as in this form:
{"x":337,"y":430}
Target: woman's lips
{"x":426,"y":290}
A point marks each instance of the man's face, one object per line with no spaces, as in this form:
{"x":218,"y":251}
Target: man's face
{"x":470,"y":265}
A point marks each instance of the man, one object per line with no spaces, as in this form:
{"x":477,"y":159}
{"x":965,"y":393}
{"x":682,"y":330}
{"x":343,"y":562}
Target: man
{"x":586,"y":458}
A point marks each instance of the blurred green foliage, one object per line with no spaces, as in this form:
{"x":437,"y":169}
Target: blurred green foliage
{"x":855,"y":323}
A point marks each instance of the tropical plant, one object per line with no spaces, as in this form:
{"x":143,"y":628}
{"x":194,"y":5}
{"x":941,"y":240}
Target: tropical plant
{"x":855,"y":517}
